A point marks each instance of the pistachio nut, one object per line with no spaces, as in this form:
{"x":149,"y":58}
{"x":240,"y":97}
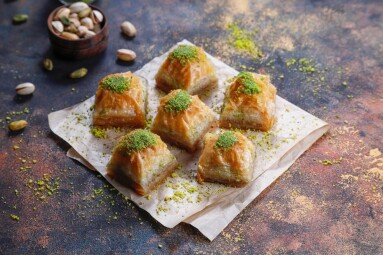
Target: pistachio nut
{"x":24,"y":89}
{"x":58,"y":26}
{"x":87,"y":22}
{"x":17,"y":125}
{"x":71,"y":28}
{"x":75,"y":21}
{"x":79,"y":73}
{"x":73,"y":15}
{"x":81,"y":31}
{"x":20,"y":18}
{"x":128,"y":29}
{"x":84,"y":13}
{"x":48,"y":64}
{"x":97,"y":16}
{"x":78,"y":7}
{"x":65,"y":20}
{"x":89,"y":34}
{"x":63,"y":12}
{"x":69,"y":36}
{"x":126,"y":55}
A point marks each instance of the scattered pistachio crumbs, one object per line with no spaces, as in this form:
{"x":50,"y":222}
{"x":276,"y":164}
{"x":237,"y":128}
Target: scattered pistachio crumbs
{"x":137,"y":140}
{"x":99,"y":133}
{"x":117,"y":84}
{"x":179,"y":102}
{"x":249,"y":86}
{"x":243,"y":40}
{"x":226,"y":140}
{"x":15,"y":217}
{"x":184,"y":54}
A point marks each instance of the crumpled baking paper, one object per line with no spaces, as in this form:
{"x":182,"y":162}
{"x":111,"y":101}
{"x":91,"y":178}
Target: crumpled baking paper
{"x":209,"y":207}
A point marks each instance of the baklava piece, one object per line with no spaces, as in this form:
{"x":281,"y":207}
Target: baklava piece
{"x":188,"y":68}
{"x":249,"y":103}
{"x":141,"y":161}
{"x":183,"y":119}
{"x":120,"y":101}
{"x":227,"y":157}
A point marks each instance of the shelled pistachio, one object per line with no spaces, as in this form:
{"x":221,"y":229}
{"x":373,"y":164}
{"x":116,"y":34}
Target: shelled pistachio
{"x":17,"y":125}
{"x":79,"y":73}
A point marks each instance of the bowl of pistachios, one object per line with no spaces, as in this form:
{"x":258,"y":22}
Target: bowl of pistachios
{"x":78,"y":30}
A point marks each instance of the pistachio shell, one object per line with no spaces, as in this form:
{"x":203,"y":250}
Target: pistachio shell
{"x":58,"y":26}
{"x":97,"y":16}
{"x":87,"y":22}
{"x":128,"y":29}
{"x":78,"y":7}
{"x":48,"y":64}
{"x":97,"y":28}
{"x":75,"y":21}
{"x":24,"y":89}
{"x":89,"y":34}
{"x":69,"y":36}
{"x":81,"y":31}
{"x":84,"y":13}
{"x":79,"y":73}
{"x":17,"y":125}
{"x":63,"y":12}
{"x":126,"y":55}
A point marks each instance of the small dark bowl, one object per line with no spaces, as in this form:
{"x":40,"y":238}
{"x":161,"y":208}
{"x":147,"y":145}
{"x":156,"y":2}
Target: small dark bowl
{"x":81,"y":48}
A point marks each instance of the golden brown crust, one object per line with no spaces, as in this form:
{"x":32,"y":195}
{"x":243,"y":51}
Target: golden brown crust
{"x":193,"y":77}
{"x":184,"y":129}
{"x":256,"y":111}
{"x":142,"y":170}
{"x":120,"y":110}
{"x":232,"y":166}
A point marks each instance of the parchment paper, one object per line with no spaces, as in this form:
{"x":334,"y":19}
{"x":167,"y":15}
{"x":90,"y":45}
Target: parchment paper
{"x":208,"y":207}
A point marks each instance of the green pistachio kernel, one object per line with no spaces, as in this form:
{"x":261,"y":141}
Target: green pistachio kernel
{"x":20,"y":18}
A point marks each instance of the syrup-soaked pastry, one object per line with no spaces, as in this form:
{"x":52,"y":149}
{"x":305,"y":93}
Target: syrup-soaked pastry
{"x":188,"y":68}
{"x":249,"y":103}
{"x":183,"y":119}
{"x":120,"y":101}
{"x":141,"y":161}
{"x":227,"y":157}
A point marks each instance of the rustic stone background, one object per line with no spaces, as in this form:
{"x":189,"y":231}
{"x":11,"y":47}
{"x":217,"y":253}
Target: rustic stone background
{"x":329,"y":202}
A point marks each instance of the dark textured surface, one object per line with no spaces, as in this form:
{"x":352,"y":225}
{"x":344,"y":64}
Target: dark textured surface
{"x":312,"y":209}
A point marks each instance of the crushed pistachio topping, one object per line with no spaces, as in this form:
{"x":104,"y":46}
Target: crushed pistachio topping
{"x":137,"y":141}
{"x":249,"y":86}
{"x":180,"y":102}
{"x":226,"y":140}
{"x":118,"y":84}
{"x":184,"y":54}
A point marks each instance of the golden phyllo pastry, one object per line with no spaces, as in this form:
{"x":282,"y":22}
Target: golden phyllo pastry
{"x":249,"y":103}
{"x":227,"y":157}
{"x":120,"y":101}
{"x":141,"y":161}
{"x":183,"y":119}
{"x":188,"y":68}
